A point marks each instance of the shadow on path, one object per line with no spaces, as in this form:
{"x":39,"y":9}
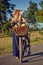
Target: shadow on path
{"x":34,"y":57}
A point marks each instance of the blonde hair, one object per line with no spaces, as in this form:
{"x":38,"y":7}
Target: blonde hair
{"x":17,"y":10}
{"x":17,"y":14}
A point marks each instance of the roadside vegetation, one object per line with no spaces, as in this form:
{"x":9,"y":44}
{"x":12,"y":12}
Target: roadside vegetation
{"x":6,"y":42}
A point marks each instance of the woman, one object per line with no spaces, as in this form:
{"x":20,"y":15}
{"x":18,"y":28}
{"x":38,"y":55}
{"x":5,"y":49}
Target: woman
{"x":17,"y":14}
{"x":17,"y":18}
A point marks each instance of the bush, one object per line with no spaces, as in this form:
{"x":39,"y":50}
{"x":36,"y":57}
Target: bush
{"x":10,"y":33}
{"x":41,"y":32}
{"x":0,"y":31}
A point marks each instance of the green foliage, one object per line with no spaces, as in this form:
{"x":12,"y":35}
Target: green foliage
{"x":35,"y":14}
{"x":6,"y":8}
{"x":6,"y":26}
{"x":41,"y":31}
{"x":41,"y":4}
{"x":39,"y":15}
{"x":10,"y":33}
{"x":31,"y":13}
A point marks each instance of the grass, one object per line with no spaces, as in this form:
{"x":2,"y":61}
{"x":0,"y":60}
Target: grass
{"x":36,"y":38}
{"x":37,"y":41}
{"x":6,"y":42}
{"x":5,"y":45}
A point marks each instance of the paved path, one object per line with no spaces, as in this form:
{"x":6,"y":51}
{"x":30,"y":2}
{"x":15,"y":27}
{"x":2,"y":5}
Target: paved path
{"x":36,"y":57}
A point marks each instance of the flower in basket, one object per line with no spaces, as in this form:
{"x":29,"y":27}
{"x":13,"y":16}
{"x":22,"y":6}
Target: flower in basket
{"x":23,"y":25}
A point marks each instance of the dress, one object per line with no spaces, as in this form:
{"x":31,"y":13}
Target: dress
{"x":15,"y":42}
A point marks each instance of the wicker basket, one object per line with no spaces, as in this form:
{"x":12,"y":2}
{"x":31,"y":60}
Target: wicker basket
{"x":21,"y":30}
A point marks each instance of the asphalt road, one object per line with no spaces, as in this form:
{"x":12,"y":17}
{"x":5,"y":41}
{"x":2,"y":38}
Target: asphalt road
{"x":36,"y":57}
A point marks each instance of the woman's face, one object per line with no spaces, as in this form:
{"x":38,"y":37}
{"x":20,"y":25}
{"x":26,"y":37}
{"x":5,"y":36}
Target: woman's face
{"x":17,"y":16}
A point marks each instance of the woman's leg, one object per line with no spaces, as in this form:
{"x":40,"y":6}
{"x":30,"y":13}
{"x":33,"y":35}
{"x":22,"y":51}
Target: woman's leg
{"x":15,"y":42}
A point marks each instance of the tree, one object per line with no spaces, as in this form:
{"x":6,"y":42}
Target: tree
{"x":39,"y":15}
{"x":41,"y":4}
{"x":31,"y":12}
{"x":24,"y":14}
{"x":5,"y":8}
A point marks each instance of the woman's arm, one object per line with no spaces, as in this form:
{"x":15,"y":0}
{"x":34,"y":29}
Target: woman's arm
{"x":13,"y":22}
{"x":24,"y":20}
